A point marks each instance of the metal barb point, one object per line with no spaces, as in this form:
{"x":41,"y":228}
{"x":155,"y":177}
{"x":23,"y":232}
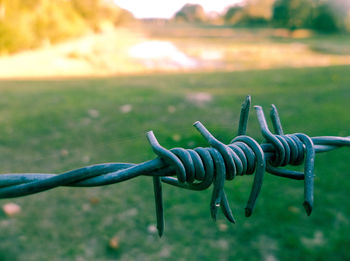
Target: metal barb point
{"x":244,"y":116}
{"x":199,"y":168}
{"x":308,"y":208}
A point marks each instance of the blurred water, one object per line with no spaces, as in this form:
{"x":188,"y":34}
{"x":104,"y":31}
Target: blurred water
{"x":162,"y":54}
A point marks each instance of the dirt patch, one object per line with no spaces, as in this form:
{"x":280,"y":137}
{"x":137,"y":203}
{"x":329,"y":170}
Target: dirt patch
{"x":199,"y":98}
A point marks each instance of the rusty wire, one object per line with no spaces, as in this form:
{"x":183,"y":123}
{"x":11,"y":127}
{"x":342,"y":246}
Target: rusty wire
{"x":199,"y":168}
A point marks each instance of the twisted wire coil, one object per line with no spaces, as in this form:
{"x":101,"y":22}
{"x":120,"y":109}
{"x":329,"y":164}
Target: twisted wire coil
{"x":199,"y":168}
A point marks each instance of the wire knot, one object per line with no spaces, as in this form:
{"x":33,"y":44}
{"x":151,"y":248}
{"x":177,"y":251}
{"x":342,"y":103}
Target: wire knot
{"x":199,"y":168}
{"x":290,"y":149}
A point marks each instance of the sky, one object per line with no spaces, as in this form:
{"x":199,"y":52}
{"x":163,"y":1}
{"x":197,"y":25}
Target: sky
{"x":166,"y":9}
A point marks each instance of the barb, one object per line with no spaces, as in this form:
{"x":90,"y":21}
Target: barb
{"x":199,"y":168}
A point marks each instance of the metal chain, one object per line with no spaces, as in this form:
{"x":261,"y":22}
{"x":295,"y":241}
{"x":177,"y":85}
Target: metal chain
{"x":199,"y":168}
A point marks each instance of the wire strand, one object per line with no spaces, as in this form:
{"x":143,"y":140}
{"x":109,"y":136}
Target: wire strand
{"x":199,"y":168}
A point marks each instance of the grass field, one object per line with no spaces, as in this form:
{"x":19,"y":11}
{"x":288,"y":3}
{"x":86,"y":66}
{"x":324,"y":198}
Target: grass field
{"x":56,"y":125}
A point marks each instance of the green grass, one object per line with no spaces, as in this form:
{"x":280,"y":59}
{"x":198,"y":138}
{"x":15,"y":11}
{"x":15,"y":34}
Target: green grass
{"x":52,"y":126}
{"x":337,"y":44}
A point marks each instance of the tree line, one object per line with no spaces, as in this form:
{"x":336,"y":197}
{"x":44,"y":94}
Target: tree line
{"x":321,"y":15}
{"x":31,"y":23}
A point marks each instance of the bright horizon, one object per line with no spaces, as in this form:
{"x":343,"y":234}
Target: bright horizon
{"x":166,"y":9}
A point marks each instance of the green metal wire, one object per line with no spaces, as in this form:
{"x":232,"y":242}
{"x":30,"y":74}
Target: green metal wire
{"x":199,"y":168}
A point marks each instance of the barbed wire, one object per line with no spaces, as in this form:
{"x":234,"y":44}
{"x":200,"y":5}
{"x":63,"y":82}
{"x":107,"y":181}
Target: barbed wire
{"x":199,"y":168}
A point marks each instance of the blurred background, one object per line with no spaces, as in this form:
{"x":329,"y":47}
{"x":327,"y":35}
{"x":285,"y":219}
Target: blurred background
{"x":82,"y":81}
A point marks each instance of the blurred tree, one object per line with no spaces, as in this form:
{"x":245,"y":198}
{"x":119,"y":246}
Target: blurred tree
{"x":95,"y":12}
{"x":320,"y":15}
{"x":293,"y":14}
{"x":341,"y":9}
{"x":251,"y":13}
{"x":324,"y":19}
{"x":234,"y":14}
{"x":28,"y":24}
{"x":347,"y":21}
{"x":88,"y":9}
{"x":52,"y":21}
{"x":191,"y":13}
{"x":259,"y":8}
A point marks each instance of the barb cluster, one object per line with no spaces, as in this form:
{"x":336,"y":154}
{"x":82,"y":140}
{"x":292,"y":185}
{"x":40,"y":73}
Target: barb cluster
{"x":199,"y":168}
